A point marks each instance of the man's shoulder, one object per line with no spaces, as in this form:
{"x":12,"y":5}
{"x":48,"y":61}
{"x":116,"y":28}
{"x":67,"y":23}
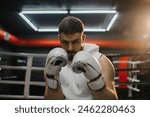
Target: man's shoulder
{"x":93,"y":49}
{"x":90,"y":47}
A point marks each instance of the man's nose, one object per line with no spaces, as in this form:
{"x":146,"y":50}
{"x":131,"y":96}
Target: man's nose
{"x":70,"y":47}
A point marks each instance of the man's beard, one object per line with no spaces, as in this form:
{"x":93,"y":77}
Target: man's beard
{"x":71,"y":55}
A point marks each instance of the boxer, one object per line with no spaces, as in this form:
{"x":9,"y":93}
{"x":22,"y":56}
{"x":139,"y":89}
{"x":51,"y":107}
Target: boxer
{"x":77,"y":70}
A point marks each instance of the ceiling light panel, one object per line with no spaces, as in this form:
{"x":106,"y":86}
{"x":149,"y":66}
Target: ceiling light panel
{"x":89,"y":17}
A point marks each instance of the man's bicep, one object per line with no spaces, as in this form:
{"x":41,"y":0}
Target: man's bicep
{"x":107,"y":71}
{"x":107,"y":68}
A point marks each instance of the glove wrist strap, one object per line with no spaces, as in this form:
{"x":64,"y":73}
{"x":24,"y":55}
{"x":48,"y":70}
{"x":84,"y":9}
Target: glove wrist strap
{"x":52,"y":83}
{"x":97,"y":84}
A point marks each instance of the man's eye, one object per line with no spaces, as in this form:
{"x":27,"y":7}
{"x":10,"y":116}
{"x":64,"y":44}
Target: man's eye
{"x":75,"y":42}
{"x":65,"y":42}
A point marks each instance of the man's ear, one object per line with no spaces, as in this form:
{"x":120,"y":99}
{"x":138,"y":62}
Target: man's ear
{"x":83,"y":38}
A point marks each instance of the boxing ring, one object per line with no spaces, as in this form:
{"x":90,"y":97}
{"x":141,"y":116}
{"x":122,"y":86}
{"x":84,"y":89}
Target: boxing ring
{"x":29,"y":68}
{"x":126,"y":77}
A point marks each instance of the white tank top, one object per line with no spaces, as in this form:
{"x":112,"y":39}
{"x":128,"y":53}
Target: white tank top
{"x":74,"y":86}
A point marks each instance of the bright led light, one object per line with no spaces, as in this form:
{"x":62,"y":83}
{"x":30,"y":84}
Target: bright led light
{"x":44,"y":12}
{"x":28,"y":21}
{"x":112,"y":21}
{"x":93,"y":12}
{"x":94,"y":30}
{"x":48,"y":30}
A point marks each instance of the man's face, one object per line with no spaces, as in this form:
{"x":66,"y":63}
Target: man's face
{"x":72,"y":43}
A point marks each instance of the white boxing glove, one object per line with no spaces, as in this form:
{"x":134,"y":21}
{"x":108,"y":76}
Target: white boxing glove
{"x":56,"y":59}
{"x":86,"y":63}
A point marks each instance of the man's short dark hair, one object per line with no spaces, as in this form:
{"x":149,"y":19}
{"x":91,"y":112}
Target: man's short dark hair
{"x":70,"y":25}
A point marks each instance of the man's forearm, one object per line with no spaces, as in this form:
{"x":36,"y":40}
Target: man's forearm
{"x":53,"y":94}
{"x":105,"y":94}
